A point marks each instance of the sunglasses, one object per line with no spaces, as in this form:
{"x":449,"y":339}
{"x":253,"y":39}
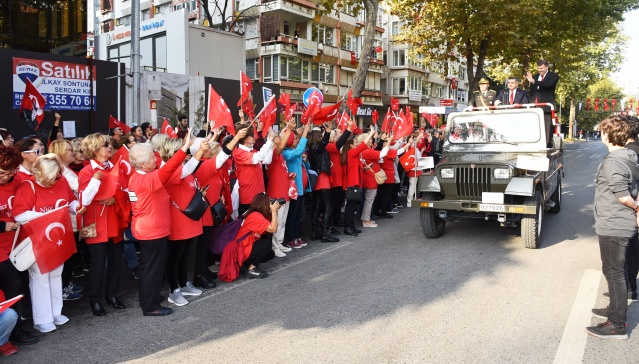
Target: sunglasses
{"x":106,"y":144}
{"x":37,"y":151}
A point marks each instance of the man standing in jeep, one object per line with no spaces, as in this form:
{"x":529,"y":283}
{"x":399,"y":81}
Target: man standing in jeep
{"x":542,"y":90}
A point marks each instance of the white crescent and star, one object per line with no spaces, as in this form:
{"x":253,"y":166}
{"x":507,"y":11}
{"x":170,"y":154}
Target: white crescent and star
{"x":128,"y":166}
{"x":53,"y":226}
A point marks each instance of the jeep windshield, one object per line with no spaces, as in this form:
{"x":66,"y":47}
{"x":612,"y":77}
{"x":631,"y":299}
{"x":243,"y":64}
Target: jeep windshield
{"x":495,"y":128}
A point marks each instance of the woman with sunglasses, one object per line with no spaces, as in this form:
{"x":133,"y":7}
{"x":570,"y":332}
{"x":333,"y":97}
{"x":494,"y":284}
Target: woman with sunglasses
{"x":30,"y":151}
{"x":109,"y":208}
{"x":47,"y":191}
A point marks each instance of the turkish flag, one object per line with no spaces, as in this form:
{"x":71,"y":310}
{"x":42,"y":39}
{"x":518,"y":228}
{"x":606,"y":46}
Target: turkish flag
{"x":109,"y":182}
{"x":249,"y":109}
{"x":388,"y":122}
{"x":115,"y":123}
{"x":342,"y":124}
{"x":34,"y":101}
{"x":168,"y":129}
{"x":378,"y":49}
{"x":407,"y":160}
{"x":409,"y":123}
{"x":353,"y":103}
{"x":285,"y":100}
{"x":605,"y":103}
{"x":246,"y":86}
{"x":587,"y":104}
{"x":327,"y":113}
{"x":218,"y":112}
{"x":453,"y":83}
{"x":596,"y":104}
{"x":394,"y":103}
{"x":269,"y":113}
{"x":52,"y":238}
{"x":398,"y":125}
{"x":375,"y":117}
{"x":314,"y":105}
{"x":353,"y":58}
{"x":613,"y":102}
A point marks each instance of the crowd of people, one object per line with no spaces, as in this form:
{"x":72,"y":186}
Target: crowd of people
{"x":129,"y":198}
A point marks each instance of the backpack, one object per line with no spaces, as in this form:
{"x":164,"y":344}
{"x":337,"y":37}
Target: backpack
{"x":225,"y":234}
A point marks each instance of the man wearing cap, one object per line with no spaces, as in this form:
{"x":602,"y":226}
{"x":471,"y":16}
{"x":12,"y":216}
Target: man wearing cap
{"x":483,"y":97}
{"x":512,"y":95}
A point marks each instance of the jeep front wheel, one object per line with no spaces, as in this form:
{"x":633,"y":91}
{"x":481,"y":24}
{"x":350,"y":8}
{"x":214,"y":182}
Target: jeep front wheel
{"x":531,"y":224}
{"x":432,"y":225}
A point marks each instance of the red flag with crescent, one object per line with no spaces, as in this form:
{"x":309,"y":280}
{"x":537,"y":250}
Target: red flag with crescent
{"x":375,"y":116}
{"x":246,"y":86}
{"x":269,"y":113}
{"x":353,"y":103}
{"x":285,"y":100}
{"x":613,"y":102}
{"x":219,"y":112}
{"x":596,"y":104}
{"x":115,"y":123}
{"x":168,"y":129}
{"x":314,"y":105}
{"x":388,"y":122}
{"x":342,"y":124}
{"x":327,"y":113}
{"x":407,"y":160}
{"x":398,"y":125}
{"x":394,"y":103}
{"x":33,"y":100}
{"x":587,"y":104}
{"x":605,"y":104}
{"x":109,"y":182}
{"x":52,"y":238}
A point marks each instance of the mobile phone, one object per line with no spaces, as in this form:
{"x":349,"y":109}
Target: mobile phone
{"x":205,"y":188}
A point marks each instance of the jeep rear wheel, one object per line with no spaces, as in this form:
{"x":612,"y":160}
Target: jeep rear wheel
{"x":432,"y":225}
{"x":531,"y":224}
{"x":556,"y":196}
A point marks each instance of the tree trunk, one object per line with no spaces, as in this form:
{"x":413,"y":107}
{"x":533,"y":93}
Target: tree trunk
{"x":571,"y":118}
{"x":359,"y":80}
{"x":470,"y":64}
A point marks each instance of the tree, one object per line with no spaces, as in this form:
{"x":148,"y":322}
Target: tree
{"x":371,"y":8}
{"x":221,"y":7}
{"x":605,"y":88}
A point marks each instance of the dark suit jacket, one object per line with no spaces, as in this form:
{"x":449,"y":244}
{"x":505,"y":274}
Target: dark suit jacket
{"x":477,"y":97}
{"x":544,"y":91}
{"x":520,"y":97}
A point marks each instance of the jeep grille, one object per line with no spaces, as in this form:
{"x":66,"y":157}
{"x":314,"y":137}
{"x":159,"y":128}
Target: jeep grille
{"x":471,"y":182}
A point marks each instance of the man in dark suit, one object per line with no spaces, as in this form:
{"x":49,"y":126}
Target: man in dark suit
{"x":542,"y":90}
{"x":512,"y":95}
{"x":483,"y":97}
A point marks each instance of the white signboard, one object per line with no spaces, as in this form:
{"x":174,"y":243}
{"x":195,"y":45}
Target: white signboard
{"x":68,"y":128}
{"x":415,"y":95}
{"x":305,"y":46}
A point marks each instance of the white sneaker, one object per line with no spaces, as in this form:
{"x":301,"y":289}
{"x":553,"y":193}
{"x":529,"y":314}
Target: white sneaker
{"x":44,"y":328}
{"x":60,"y":320}
{"x":279,"y":253}
{"x":190,"y":290}
{"x":177,"y":299}
{"x":285,"y":249}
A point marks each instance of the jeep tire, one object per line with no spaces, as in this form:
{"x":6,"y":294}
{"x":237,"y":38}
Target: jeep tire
{"x":531,"y":224}
{"x":432,"y":225}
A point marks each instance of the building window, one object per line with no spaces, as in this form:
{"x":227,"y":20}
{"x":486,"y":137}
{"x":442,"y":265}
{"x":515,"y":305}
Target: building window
{"x":251,"y":68}
{"x":461,"y":95}
{"x":348,"y":42}
{"x":267,"y":69}
{"x":399,"y":57}
{"x":440,"y":91}
{"x":321,"y":73}
{"x":294,"y":69}
{"x":426,"y":87}
{"x":415,"y":83}
{"x":123,"y":21}
{"x":152,"y":50}
{"x":322,"y":34}
{"x":462,"y":73}
{"x":399,"y":86}
{"x":396,"y":27}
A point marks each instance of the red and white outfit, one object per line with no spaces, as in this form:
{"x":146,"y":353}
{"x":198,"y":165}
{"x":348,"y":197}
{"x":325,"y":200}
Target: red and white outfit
{"x":33,"y":200}
{"x":278,"y":187}
{"x":248,"y":164}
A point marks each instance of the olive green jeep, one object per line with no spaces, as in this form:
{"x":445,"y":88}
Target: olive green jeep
{"x":496,"y":166}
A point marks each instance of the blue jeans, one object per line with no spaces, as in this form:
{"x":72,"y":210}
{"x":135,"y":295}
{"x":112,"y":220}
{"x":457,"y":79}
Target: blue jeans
{"x":613,"y":264}
{"x":293,"y":220}
{"x":8,"y":320}
{"x":130,"y":255}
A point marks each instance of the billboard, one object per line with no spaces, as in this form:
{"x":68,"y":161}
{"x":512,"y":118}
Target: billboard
{"x":64,"y":85}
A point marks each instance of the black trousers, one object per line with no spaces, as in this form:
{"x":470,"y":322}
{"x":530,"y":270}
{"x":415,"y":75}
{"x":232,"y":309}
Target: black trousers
{"x":11,"y":285}
{"x":152,"y":262}
{"x":613,"y":263}
{"x":322,"y":204}
{"x":349,"y":213}
{"x":383,"y":199}
{"x":177,"y":260}
{"x":260,"y":252}
{"x":294,"y":219}
{"x":71,"y":263}
{"x":337,"y":193}
{"x":203,"y":250}
{"x":243,"y":208}
{"x":632,"y":262}
{"x":100,"y":254}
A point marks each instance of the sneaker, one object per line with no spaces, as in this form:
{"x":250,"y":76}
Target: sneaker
{"x":177,"y":299}
{"x":301,"y":243}
{"x":279,"y":253}
{"x":293,"y":244}
{"x":44,"y":328}
{"x":256,"y":273}
{"x":135,"y":272}
{"x":395,"y":210}
{"x":75,"y":287}
{"x":607,"y":330}
{"x":190,"y":290}
{"x":632,"y":296}
{"x":370,"y":224}
{"x":69,"y":295}
{"x":399,"y":205}
{"x":78,"y":273}
{"x":285,"y":249}
{"x":601,"y":312}
{"x":60,"y":320}
{"x":8,"y":348}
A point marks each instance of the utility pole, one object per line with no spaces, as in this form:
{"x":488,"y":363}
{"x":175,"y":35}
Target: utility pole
{"x":135,"y":59}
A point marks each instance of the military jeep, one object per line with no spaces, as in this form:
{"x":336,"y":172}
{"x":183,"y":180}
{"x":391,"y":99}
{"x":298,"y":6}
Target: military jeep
{"x":496,"y":166}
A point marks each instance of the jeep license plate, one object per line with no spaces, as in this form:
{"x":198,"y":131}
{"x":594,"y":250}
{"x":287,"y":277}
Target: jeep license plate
{"x":491,"y":207}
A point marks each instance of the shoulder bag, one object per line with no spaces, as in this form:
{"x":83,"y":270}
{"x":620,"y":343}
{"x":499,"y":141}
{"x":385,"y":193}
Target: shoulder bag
{"x":354,"y":194}
{"x":196,"y":208}
{"x":22,"y":257}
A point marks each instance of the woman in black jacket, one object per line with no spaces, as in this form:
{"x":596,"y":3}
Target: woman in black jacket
{"x":320,"y":161}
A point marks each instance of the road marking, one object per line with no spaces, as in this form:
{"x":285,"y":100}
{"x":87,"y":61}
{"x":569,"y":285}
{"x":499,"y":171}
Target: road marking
{"x":573,"y":342}
{"x":280,"y":267}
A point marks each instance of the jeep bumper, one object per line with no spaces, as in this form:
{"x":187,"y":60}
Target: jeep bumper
{"x":475,"y":206}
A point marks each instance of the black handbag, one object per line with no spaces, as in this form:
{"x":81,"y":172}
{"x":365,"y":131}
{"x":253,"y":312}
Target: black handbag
{"x":196,"y":208}
{"x":219,"y":213}
{"x":354,"y":194}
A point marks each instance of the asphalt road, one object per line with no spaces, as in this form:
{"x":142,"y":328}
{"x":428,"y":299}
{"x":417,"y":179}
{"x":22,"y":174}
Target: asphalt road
{"x":474,"y":295}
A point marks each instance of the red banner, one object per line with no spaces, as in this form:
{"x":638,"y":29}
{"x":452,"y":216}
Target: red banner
{"x":587,"y":104}
{"x":596,"y":104}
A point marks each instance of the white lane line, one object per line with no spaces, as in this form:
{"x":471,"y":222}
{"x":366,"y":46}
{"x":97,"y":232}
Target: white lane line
{"x":573,"y":342}
{"x":280,"y":267}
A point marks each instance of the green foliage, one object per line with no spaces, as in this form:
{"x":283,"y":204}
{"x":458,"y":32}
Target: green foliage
{"x":587,"y":119}
{"x":605,"y":89}
{"x":200,"y":113}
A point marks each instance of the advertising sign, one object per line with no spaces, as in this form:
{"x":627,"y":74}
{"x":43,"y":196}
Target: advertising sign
{"x":64,"y":85}
{"x":305,"y":46}
{"x":446,"y":102}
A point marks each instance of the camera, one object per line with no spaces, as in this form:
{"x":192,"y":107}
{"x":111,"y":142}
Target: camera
{"x":281,"y":201}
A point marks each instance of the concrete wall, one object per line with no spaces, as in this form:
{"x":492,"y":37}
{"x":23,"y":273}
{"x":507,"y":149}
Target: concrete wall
{"x":216,"y":54}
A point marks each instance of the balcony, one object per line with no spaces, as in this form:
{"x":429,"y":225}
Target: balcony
{"x":303,"y":8}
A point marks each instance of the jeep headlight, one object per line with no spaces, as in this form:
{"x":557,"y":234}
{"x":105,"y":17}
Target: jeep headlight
{"x":501,"y":173}
{"x":447,"y":173}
